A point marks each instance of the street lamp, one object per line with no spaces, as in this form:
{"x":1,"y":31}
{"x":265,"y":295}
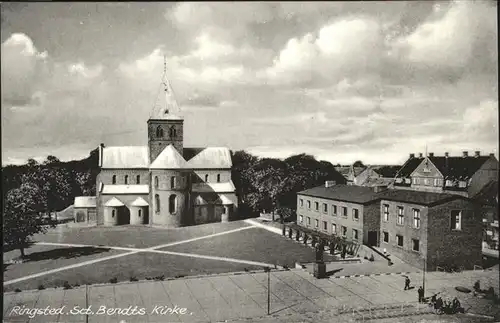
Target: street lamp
{"x":268,"y":271}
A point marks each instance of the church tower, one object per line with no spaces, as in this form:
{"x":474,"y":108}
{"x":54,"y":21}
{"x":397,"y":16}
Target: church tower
{"x":165,"y":125}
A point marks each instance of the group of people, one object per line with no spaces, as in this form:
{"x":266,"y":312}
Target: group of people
{"x":440,"y":305}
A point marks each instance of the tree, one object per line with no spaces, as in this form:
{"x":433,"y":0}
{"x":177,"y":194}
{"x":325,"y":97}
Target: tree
{"x":23,"y":217}
{"x":358,"y":163}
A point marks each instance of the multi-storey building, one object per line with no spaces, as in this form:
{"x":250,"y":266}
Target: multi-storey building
{"x":436,"y":228}
{"x":164,"y":182}
{"x":347,"y":211}
{"x":462,"y":175}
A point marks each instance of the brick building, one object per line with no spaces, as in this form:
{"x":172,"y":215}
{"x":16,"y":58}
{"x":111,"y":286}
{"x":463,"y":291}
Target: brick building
{"x":443,"y":229}
{"x":462,"y":175}
{"x":164,"y":183}
{"x":344,"y":210}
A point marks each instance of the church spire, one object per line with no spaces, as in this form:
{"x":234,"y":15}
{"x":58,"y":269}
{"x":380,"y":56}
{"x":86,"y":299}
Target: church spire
{"x":168,"y":109}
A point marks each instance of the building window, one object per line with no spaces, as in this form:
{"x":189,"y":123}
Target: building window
{"x":386,"y":212}
{"x":301,"y":203}
{"x":344,"y":231}
{"x":426,"y":181}
{"x":401,"y":217}
{"x":301,"y":218}
{"x":415,"y":245}
{"x":415,"y":180}
{"x":172,"y":132}
{"x":334,"y":209}
{"x":344,"y":211}
{"x":355,"y":214}
{"x":113,"y":213}
{"x":113,"y":179}
{"x":416,"y":218}
{"x":157,"y":203}
{"x":456,"y":220}
{"x":407,"y":181}
{"x":316,"y":206}
{"x":126,"y":179}
{"x":399,"y":239}
{"x":386,"y":236}
{"x":334,"y":228}
{"x":206,"y":178}
{"x":159,"y":132}
{"x":156,"y":181}
{"x":325,"y":208}
{"x":218,"y":178}
{"x":308,"y":220}
{"x":462,"y":184}
{"x":172,"y":205}
{"x":316,"y":223}
{"x":325,"y":225}
{"x":138,"y":179}
{"x":309,"y":205}
{"x":173,"y":182}
{"x":354,"y":234}
{"x":436,"y":181}
{"x":140,"y":212}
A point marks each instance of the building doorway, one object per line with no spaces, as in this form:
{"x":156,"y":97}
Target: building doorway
{"x":372,"y":238}
{"x":123,"y":215}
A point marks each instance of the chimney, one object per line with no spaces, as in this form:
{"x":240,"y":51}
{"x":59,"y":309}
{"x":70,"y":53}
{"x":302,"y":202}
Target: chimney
{"x":431,"y":154}
{"x":412,"y":155}
{"x":465,"y":154}
{"x":419,"y":155}
{"x":477,"y":153}
{"x":330,"y":183}
{"x":101,"y":147}
{"x":446,"y":154}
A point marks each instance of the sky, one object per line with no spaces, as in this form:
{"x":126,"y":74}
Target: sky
{"x":343,"y":81}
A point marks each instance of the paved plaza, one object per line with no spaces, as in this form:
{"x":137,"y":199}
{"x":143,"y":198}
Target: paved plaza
{"x":238,"y":296}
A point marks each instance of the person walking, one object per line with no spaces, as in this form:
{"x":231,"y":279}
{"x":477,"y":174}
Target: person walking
{"x":407,"y":283}
{"x":420,"y":294}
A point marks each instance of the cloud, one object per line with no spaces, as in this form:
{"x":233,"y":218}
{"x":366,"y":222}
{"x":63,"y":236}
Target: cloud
{"x":84,"y":71}
{"x":481,"y":122}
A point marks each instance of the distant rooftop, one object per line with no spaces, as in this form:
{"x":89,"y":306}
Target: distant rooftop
{"x":346,"y":193}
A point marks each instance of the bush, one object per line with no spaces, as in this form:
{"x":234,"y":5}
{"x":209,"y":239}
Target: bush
{"x":17,"y":290}
{"x":41,"y":287}
{"x":162,"y":277}
{"x":372,"y":258}
{"x":133,"y":279}
{"x":490,"y":291}
{"x":113,"y":280}
{"x":66,"y":285}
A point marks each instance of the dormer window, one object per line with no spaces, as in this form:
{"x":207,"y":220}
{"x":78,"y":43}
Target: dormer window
{"x":159,"y":132}
{"x":462,"y":184}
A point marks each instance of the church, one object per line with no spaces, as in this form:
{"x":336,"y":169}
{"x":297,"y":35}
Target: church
{"x":164,"y":183}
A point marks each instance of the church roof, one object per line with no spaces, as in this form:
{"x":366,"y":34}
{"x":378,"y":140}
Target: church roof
{"x":125,"y":157}
{"x":227,"y":187}
{"x":166,"y":107}
{"x":125,"y":189}
{"x":139,"y":202}
{"x":225,"y":200}
{"x":169,"y":158}
{"x":114,"y":202}
{"x":211,"y":157}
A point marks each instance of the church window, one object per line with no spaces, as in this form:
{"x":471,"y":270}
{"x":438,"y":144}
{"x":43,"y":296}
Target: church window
{"x":173,"y":182}
{"x":113,"y":212}
{"x":113,"y":180}
{"x":157,"y":203}
{"x":172,"y":203}
{"x":156,"y":181}
{"x":172,"y":132}
{"x":218,"y":178}
{"x":138,"y":179}
{"x":206,"y":178}
{"x":140,"y":213}
{"x":126,"y":179}
{"x":159,"y":132}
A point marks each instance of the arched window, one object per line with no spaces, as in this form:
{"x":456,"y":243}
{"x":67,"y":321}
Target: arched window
{"x":156,"y":181}
{"x":113,"y":212}
{"x":126,"y":179}
{"x":140,"y":212}
{"x":172,"y":207}
{"x":159,"y":132}
{"x":206,"y":178}
{"x":157,"y":203}
{"x":218,"y":178}
{"x":114,"y":179}
{"x":138,"y":179}
{"x":172,"y":132}
{"x":173,"y":182}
